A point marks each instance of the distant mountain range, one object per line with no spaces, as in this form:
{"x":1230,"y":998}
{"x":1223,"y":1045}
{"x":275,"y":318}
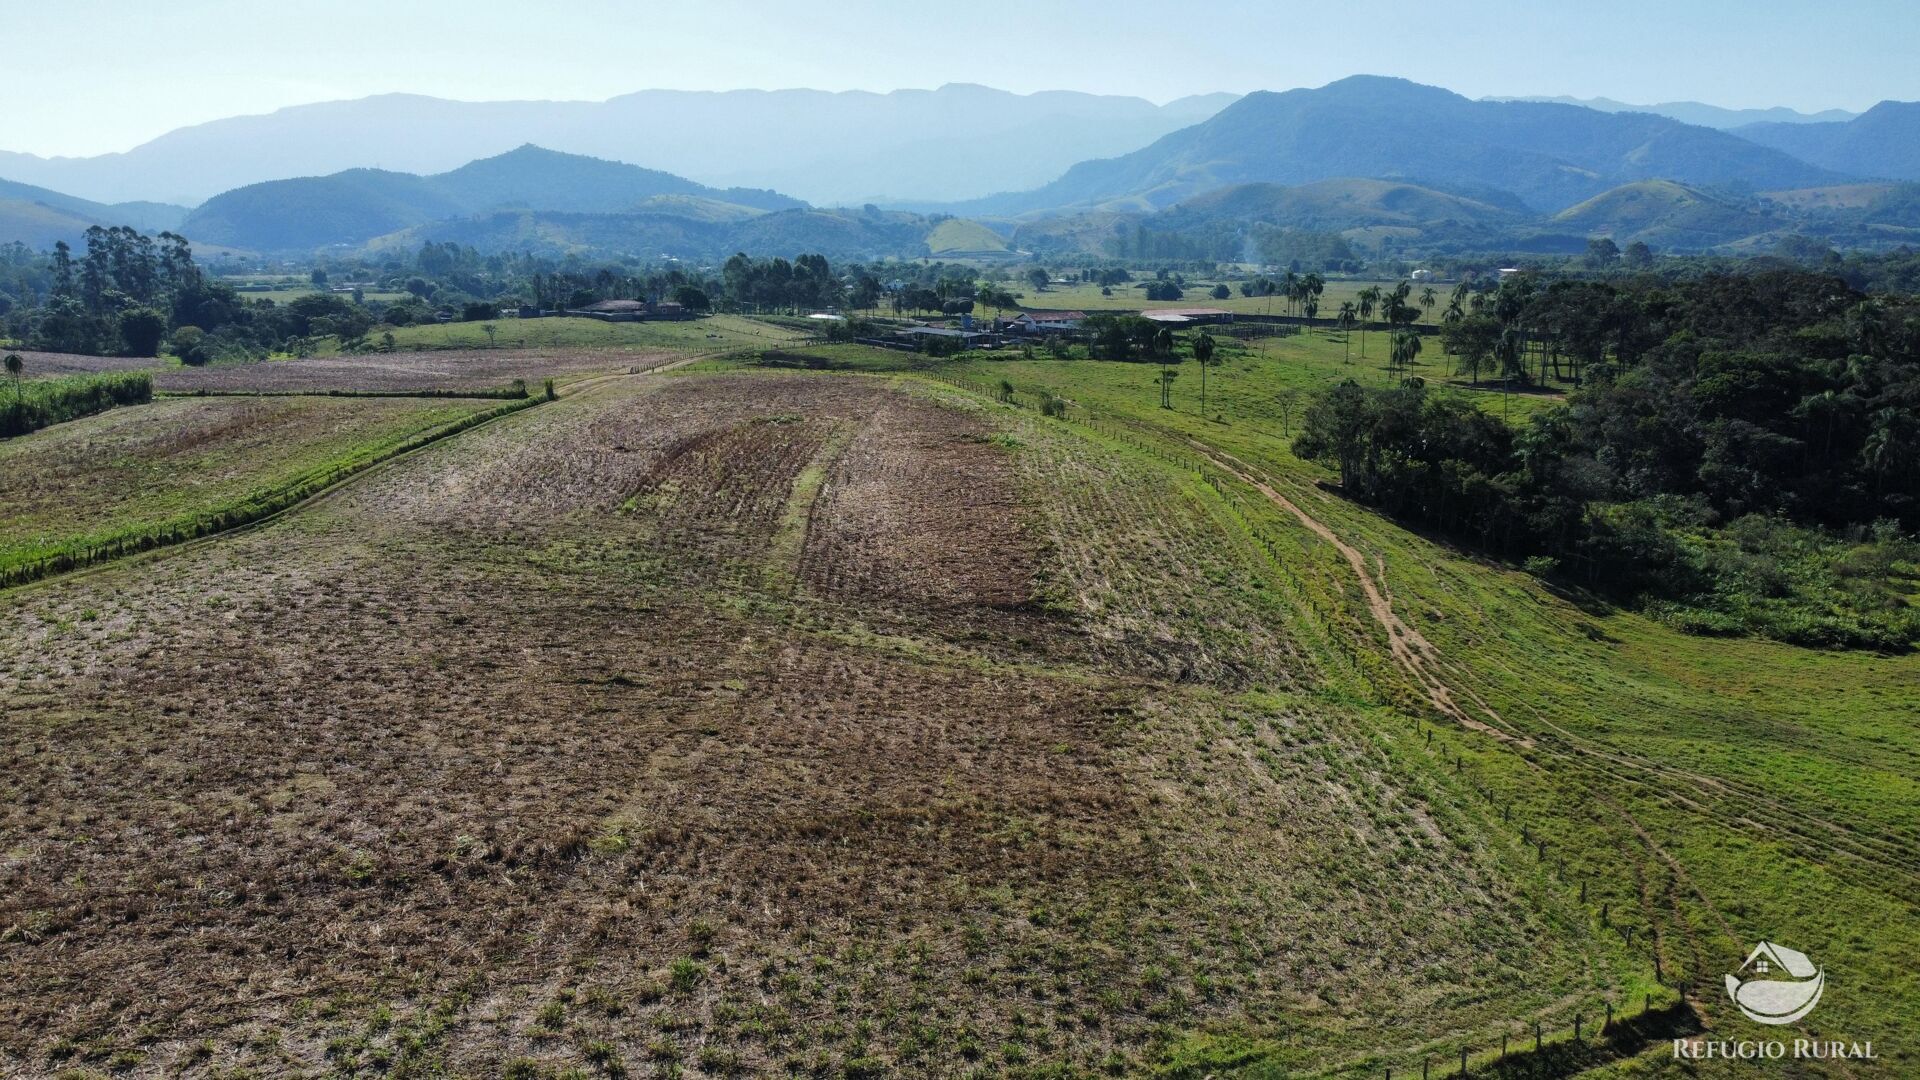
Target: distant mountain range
{"x":955,"y":142}
{"x":1375,"y":164}
{"x":1550,"y":156}
{"x":1882,"y":143}
{"x":1693,"y":112}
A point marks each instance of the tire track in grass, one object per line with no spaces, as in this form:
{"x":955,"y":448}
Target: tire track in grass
{"x":1413,"y":652}
{"x":1410,"y":649}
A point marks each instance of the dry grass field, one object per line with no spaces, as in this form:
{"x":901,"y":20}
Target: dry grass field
{"x":747,"y":723}
{"x":403,"y":372}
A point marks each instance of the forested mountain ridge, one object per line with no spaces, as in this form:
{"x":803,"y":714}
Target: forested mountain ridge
{"x":1551,"y":156}
{"x":1882,"y":143}
{"x":355,"y":206}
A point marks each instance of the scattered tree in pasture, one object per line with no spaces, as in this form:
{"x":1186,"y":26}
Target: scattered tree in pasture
{"x":1203,"y":349}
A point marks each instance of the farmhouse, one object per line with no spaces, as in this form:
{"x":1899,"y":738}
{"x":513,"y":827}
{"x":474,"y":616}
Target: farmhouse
{"x":1188,"y":315}
{"x":1045,"y":322}
{"x":967,"y":339}
{"x":632,"y":310}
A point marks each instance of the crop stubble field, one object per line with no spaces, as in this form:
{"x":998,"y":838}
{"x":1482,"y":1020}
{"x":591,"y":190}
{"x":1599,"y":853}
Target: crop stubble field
{"x":828,"y":724}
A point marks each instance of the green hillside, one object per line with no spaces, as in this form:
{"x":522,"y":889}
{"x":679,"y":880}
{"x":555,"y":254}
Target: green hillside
{"x":959,"y":234}
{"x":1665,"y":214}
{"x":359,"y":205}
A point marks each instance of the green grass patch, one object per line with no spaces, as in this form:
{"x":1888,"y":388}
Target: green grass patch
{"x":182,"y":468}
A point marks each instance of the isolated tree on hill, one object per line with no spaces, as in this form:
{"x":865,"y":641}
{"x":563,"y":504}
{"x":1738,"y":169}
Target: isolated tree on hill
{"x":15,"y":366}
{"x":1038,"y":278}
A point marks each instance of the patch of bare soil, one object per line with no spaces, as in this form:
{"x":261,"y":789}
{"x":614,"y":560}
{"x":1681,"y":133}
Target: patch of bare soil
{"x":399,"y":372}
{"x":46,"y":363}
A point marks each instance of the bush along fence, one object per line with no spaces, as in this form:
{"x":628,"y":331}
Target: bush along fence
{"x":29,"y":406}
{"x":247,"y":511}
{"x":1601,"y":1030}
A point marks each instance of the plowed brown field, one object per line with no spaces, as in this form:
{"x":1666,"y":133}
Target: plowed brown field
{"x":716,"y":724}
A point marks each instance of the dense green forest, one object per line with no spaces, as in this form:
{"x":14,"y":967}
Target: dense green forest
{"x":1743,"y":450}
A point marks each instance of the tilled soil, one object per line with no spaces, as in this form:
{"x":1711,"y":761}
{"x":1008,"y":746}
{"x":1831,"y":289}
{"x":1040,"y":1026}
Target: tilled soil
{"x":682,"y":724}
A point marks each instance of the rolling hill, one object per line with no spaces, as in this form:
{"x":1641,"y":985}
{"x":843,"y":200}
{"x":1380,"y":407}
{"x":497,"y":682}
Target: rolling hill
{"x":1342,"y":203}
{"x":1882,"y":143}
{"x":39,"y":218}
{"x":353,"y":207}
{"x":1551,"y":156}
{"x":1224,"y":222}
{"x":1369,"y":214}
{"x":1665,"y":214}
{"x":667,"y":228}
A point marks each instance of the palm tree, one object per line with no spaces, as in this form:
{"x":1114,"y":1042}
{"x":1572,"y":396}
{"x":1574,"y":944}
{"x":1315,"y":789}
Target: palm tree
{"x":1163,"y":345}
{"x":1368,"y":297}
{"x":1203,"y":353}
{"x":1292,"y":281}
{"x":1428,"y":298}
{"x":1347,"y":313}
{"x":1406,"y":346}
{"x":1314,"y":284}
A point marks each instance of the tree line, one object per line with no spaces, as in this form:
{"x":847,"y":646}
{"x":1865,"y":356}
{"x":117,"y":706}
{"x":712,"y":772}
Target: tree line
{"x":1744,"y":447}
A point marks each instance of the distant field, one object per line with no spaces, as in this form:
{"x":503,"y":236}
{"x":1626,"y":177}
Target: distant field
{"x":1249,"y":376}
{"x":719,"y":333}
{"x":44,"y":363}
{"x":480,"y":370}
{"x":1132,"y":297}
{"x":153,"y":469}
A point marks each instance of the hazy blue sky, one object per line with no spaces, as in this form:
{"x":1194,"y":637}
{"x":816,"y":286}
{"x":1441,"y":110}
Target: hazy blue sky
{"x":87,"y":76}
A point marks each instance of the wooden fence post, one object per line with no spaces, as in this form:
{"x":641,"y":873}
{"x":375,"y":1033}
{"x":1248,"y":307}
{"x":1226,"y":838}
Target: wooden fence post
{"x":1536,"y":1036}
{"x":1576,"y":1027}
{"x":1604,"y":1028}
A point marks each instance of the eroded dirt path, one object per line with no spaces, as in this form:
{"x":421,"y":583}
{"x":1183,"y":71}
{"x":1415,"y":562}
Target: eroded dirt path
{"x":1410,"y":649}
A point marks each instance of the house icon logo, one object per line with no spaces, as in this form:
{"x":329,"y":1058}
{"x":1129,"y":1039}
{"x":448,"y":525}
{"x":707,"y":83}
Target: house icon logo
{"x":1776,"y":985}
